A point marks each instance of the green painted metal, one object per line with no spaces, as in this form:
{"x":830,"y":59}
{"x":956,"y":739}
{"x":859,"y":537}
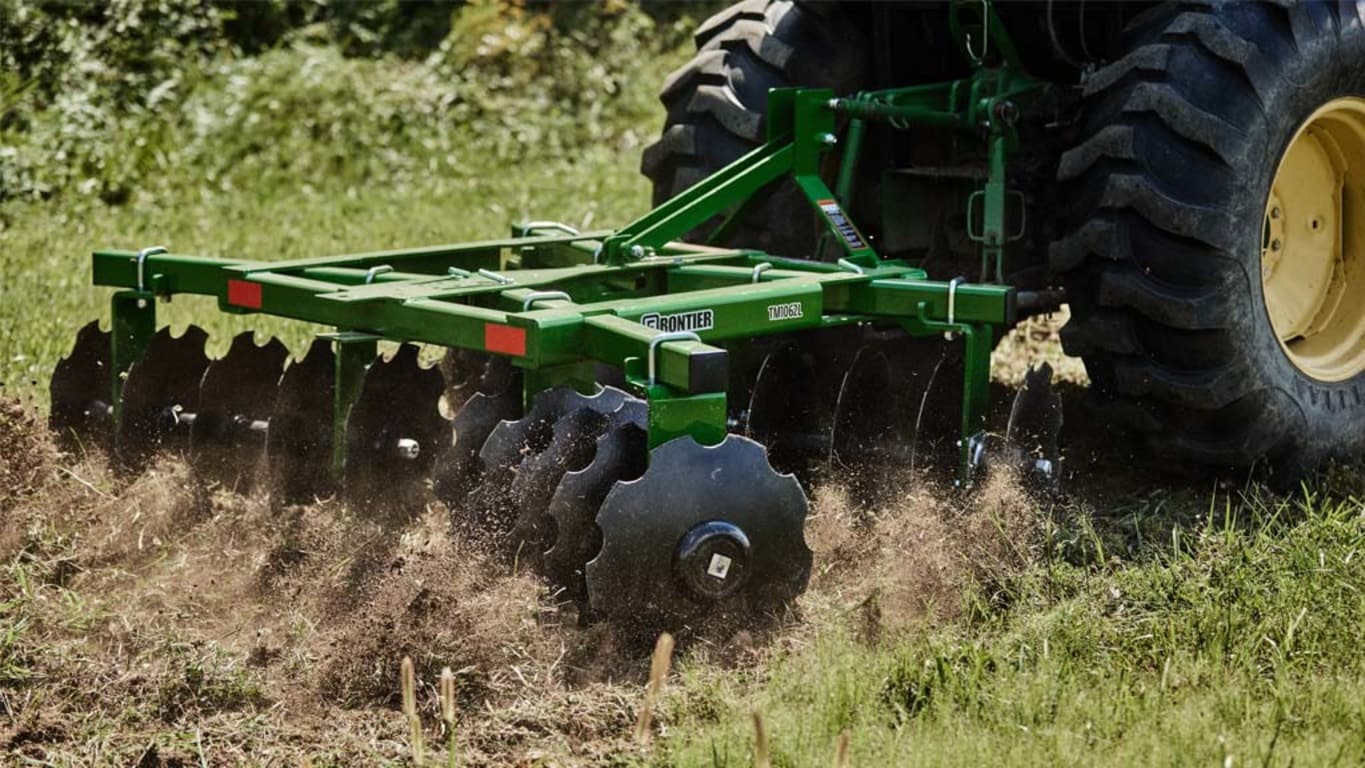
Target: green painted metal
{"x":557,"y":303}
{"x":355,"y":352}
{"x":133,"y":324}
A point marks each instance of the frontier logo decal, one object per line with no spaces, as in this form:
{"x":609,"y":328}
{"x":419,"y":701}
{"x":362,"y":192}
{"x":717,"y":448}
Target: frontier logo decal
{"x":698,"y":320}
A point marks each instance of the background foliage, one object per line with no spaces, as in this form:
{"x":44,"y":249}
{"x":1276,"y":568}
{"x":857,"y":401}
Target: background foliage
{"x":104,"y":97}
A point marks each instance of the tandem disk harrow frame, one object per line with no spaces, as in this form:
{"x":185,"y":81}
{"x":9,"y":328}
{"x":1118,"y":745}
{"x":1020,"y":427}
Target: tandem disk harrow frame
{"x":635,"y":298}
{"x":708,"y":522}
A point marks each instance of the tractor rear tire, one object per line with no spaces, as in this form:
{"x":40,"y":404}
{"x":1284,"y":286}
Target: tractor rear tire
{"x":1164,"y":254}
{"x":717,"y":102}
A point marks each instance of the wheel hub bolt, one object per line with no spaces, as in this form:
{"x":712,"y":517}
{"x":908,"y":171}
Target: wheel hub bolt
{"x":712,"y":560}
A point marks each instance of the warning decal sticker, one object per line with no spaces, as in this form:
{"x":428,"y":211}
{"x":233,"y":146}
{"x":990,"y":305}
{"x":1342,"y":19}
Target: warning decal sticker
{"x":852,"y":237}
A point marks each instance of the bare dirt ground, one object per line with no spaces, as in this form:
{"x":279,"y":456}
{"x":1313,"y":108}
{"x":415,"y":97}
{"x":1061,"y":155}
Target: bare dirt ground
{"x":164,"y":619}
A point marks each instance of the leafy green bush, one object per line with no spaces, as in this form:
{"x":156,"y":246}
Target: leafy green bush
{"x":105,"y":98}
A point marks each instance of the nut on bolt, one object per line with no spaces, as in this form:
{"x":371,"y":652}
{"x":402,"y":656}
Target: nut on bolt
{"x":829,"y":139}
{"x":1006,"y":112}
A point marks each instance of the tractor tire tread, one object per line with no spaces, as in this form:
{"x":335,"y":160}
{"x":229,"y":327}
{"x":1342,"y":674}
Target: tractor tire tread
{"x":1149,"y":260}
{"x":716,"y":107}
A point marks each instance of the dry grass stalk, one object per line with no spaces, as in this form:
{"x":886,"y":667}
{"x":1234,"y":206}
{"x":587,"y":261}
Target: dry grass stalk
{"x":841,"y":751}
{"x":658,"y":673}
{"x":448,"y":710}
{"x":762,"y":758}
{"x":409,"y":682}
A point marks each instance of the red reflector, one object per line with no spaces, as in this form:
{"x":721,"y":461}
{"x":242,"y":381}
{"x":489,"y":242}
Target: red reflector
{"x":505,"y":339}
{"x":244,"y":294}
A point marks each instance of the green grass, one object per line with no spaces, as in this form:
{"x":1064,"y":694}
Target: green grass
{"x":1244,"y":641}
{"x":45,"y":294}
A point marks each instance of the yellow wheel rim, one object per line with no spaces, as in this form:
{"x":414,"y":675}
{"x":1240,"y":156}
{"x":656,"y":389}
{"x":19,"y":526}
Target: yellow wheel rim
{"x":1313,"y":244}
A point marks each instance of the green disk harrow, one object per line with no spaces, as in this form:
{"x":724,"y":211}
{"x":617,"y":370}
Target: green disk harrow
{"x":614,"y":394}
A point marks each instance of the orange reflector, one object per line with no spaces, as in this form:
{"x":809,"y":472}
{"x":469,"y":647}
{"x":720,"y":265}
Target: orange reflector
{"x":505,"y":339}
{"x":241,"y":293}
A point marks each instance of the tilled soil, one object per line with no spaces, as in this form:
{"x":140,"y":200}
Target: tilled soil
{"x":163,"y":620}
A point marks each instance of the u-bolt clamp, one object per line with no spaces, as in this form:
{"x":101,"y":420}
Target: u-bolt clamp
{"x":142,"y":264}
{"x":373,"y":272}
{"x":664,"y":338}
{"x":535,"y":226}
{"x":759,"y":269}
{"x":535,"y":296}
{"x":952,"y":303}
{"x":977,"y":58}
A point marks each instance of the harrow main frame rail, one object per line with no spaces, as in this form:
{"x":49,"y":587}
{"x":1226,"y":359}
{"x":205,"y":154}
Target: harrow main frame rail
{"x":715,"y":524}
{"x":636,"y":299}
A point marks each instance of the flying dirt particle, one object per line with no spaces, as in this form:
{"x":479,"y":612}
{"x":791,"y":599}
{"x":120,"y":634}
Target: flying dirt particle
{"x":445,"y":604}
{"x":911,"y":559}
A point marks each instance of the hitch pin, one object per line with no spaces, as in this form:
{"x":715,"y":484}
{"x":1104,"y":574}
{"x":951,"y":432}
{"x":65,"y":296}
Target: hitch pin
{"x":850,"y":266}
{"x":495,"y":277}
{"x":759,"y":269}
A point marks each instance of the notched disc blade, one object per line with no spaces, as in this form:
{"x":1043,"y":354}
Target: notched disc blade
{"x":82,"y":392}
{"x":1036,"y":415}
{"x":784,"y":411}
{"x":632,"y":581}
{"x":399,"y":401}
{"x":488,"y":507}
{"x":861,"y":420}
{"x":468,"y":372}
{"x":571,"y":447}
{"x":1030,"y":446}
{"x":164,"y":383}
{"x":236,"y":400}
{"x":620,"y":454}
{"x":299,"y":441}
{"x":457,"y":469}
